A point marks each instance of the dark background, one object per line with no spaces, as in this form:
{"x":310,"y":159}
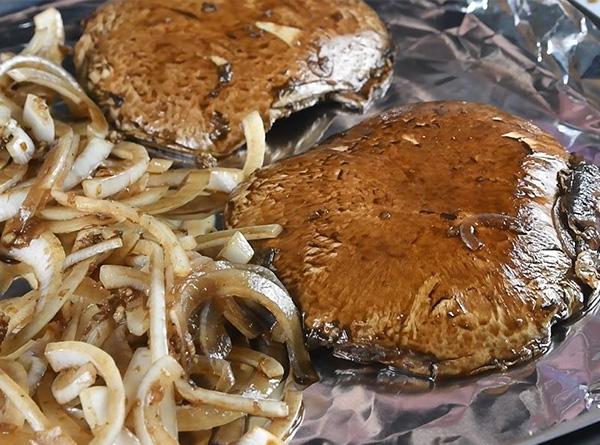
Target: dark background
{"x":586,"y":436}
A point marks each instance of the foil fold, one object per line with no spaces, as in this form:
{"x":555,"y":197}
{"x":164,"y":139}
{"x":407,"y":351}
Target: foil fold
{"x":538,"y":59}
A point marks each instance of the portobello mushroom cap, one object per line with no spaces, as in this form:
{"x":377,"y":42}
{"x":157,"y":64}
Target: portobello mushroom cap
{"x":443,"y":238}
{"x":183,"y":74}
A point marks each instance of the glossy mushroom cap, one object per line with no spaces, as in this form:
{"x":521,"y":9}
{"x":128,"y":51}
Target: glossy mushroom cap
{"x":423,"y":237}
{"x":183,"y":74}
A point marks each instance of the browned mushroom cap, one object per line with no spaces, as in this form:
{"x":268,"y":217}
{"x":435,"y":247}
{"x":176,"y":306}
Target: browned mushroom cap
{"x":184,"y":73}
{"x":423,"y":237}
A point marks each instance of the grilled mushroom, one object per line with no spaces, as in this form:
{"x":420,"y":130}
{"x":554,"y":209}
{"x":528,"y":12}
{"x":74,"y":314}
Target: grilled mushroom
{"x":443,"y":238}
{"x":183,"y":74}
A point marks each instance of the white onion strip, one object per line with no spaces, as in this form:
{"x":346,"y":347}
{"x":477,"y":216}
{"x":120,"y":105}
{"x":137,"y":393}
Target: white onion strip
{"x":11,"y":202}
{"x":193,"y":186}
{"x":259,"y":436}
{"x":52,"y":171}
{"x":10,"y":413}
{"x":69,"y":383}
{"x":19,"y":398}
{"x":88,"y":252}
{"x":177,"y":256}
{"x":137,"y":368}
{"x":147,"y":197}
{"x":49,"y":36}
{"x":111,"y":185}
{"x":221,"y":237}
{"x":46,"y":257}
{"x":19,"y":144}
{"x":157,"y":304}
{"x":63,"y":355}
{"x":254,"y":132}
{"x":117,"y":277}
{"x":50,"y":75}
{"x":94,"y":153}
{"x":176,"y":253}
{"x":10,"y":176}
{"x":54,"y":304}
{"x":36,"y":116}
{"x":157,"y":374}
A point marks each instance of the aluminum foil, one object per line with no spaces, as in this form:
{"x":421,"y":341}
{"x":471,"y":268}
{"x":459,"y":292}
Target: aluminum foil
{"x":535,"y":58}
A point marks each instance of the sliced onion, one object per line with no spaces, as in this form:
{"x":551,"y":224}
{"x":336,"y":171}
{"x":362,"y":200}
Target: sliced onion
{"x":237,"y":249}
{"x":36,"y":369}
{"x":219,"y":368}
{"x":213,"y":338}
{"x":94,"y":153}
{"x":49,"y":37}
{"x":137,"y":368}
{"x":46,"y":256}
{"x":168,"y":366}
{"x":231,"y":432}
{"x":282,"y":428}
{"x":195,"y":418}
{"x":225,"y":180}
{"x":11,"y":202}
{"x":159,"y":165}
{"x":173,"y":178}
{"x":250,"y":233}
{"x":57,"y":79}
{"x":159,"y":346}
{"x":19,"y":311}
{"x":69,"y":383}
{"x":9,"y":108}
{"x":18,"y":143}
{"x":10,"y":414}
{"x":165,"y":236}
{"x":99,"y":332}
{"x":196,"y":227}
{"x":254,"y":132}
{"x":19,"y":397}
{"x":233,"y":402}
{"x":188,"y":242}
{"x":137,"y":317}
{"x":64,"y":355}
{"x":192,"y":187}
{"x":117,"y":277}
{"x":88,"y":252}
{"x":267,"y":364}
{"x":243,"y":319}
{"x":200,"y":287}
{"x":93,"y":403}
{"x":146,"y":198}
{"x":36,"y":116}
{"x":57,"y":415}
{"x":111,"y":185}
{"x":11,"y":272}
{"x":77,"y":224}
{"x":56,"y":213}
{"x":51,"y":308}
{"x":10,"y":176}
{"x":259,"y":436}
{"x":130,"y":237}
{"x":90,"y":313}
{"x":52,"y":171}
{"x":106,"y":207}
{"x":149,"y":393}
{"x":288,"y":34}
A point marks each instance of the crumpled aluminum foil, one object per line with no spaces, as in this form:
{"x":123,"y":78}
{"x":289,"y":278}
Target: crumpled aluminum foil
{"x":535,"y":58}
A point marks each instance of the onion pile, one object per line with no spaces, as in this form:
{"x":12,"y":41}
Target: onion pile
{"x":143,"y":323}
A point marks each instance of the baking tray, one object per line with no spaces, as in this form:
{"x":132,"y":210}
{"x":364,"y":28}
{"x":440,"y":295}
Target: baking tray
{"x":535,"y":58}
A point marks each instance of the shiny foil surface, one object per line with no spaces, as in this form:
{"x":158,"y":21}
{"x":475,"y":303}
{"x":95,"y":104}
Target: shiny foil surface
{"x":539,"y":59}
